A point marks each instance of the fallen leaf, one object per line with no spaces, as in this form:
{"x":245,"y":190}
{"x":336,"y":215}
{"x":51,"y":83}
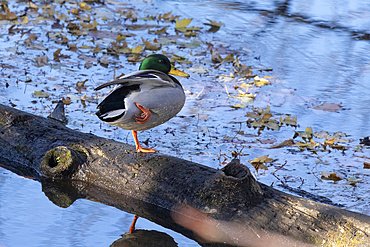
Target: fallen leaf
{"x":307,"y":134}
{"x":84,"y":6}
{"x":198,"y":70}
{"x":331,"y":176}
{"x":115,"y":2}
{"x":353,"y":181}
{"x":67,"y":100}
{"x":168,"y":17}
{"x":272,"y":124}
{"x":181,"y":25}
{"x":288,"y":120}
{"x":41,"y":94}
{"x":285,"y":143}
{"x":241,"y":69}
{"x":216,"y":58}
{"x":41,"y":60}
{"x":259,"y":82}
{"x":228,"y":59}
{"x":81,"y":85}
{"x":58,"y":56}
{"x":75,"y":11}
{"x":307,"y":145}
{"x":32,"y":5}
{"x":237,"y":106}
{"x":215,"y":26}
{"x":90,"y":26}
{"x":154,"y":46}
{"x":366,"y":165}
{"x":137,"y":49}
{"x":140,"y":27}
{"x":163,"y":30}
{"x":331,"y":107}
{"x":258,"y":162}
{"x":214,"y":23}
{"x":8,"y":15}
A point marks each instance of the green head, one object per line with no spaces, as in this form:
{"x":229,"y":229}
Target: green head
{"x":157,"y":62}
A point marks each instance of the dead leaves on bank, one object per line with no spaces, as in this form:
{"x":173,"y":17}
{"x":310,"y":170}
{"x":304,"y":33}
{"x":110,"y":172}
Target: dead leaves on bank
{"x":88,"y":20}
{"x":262,"y":119}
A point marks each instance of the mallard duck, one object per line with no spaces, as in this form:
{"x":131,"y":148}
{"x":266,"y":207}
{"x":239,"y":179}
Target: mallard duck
{"x":144,"y":99}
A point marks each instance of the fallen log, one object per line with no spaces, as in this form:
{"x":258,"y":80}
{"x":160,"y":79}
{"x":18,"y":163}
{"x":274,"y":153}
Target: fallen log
{"x":73,"y":165}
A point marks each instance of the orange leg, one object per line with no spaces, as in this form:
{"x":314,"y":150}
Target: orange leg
{"x":132,"y":227}
{"x":143,"y":117}
{"x":138,"y":146}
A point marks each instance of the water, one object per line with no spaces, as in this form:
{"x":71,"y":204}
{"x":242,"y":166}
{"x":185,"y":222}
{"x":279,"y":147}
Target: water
{"x":319,"y":52}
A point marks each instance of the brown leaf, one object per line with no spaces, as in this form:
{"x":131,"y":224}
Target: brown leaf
{"x":8,"y":15}
{"x":67,"y":101}
{"x":216,"y":58}
{"x":366,"y":165}
{"x":41,"y":60}
{"x":140,"y":27}
{"x":58,"y":56}
{"x":155,"y":46}
{"x":285,"y":143}
{"x":159,"y":31}
{"x":331,"y":107}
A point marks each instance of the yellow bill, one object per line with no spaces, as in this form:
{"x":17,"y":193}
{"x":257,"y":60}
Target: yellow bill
{"x":177,"y":72}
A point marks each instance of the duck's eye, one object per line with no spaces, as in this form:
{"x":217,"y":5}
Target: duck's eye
{"x":160,"y":61}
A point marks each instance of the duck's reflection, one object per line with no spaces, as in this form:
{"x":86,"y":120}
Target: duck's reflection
{"x":144,"y":238}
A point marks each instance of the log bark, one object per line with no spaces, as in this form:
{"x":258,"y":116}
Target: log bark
{"x":73,"y":165}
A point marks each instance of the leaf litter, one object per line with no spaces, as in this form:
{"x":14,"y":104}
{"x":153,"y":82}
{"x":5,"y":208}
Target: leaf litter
{"x":92,"y":38}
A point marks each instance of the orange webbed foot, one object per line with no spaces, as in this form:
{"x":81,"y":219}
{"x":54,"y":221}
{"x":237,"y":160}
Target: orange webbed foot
{"x":145,"y":150}
{"x":139,"y":148}
{"x":144,"y":116}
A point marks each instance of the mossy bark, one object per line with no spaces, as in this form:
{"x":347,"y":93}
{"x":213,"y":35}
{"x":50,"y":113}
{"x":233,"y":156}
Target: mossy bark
{"x":73,"y":165}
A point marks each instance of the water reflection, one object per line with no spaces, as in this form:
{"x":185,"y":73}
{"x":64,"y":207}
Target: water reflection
{"x":141,"y":238}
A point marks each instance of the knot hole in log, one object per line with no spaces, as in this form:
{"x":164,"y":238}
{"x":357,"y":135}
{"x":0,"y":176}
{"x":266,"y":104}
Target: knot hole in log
{"x":230,"y":185}
{"x":62,"y":161}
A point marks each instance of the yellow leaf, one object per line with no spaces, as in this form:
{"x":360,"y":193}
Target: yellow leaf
{"x":155,"y":46}
{"x":92,"y":25}
{"x":137,"y":49}
{"x":229,"y":58}
{"x":120,"y":38}
{"x":262,"y":159}
{"x":166,"y":16}
{"x":330,"y":142}
{"x":259,"y":82}
{"x":84,"y":6}
{"x":41,"y":94}
{"x":25,"y":20}
{"x":238,"y":106}
{"x":85,"y":47}
{"x":243,"y":85}
{"x":32,"y":5}
{"x":75,"y":11}
{"x":183,"y":23}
